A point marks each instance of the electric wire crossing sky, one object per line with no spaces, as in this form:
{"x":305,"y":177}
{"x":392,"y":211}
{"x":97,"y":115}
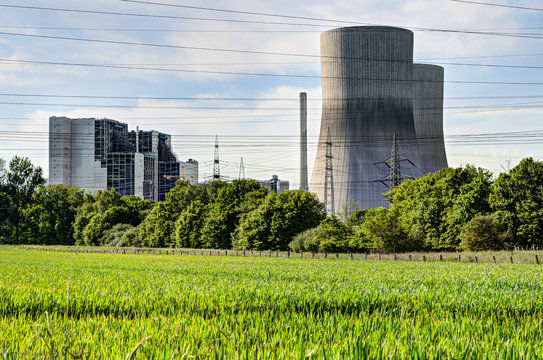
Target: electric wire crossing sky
{"x":371,"y":90}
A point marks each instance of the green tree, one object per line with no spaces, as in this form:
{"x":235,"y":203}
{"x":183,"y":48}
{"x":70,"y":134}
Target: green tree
{"x":21,"y":180}
{"x":103,"y":210}
{"x":254,"y":230}
{"x":158,"y":228}
{"x":436,"y":207}
{"x":517,"y":199}
{"x":386,"y":234}
{"x":278,"y":219}
{"x":227,"y":207}
{"x":188,"y":227}
{"x":52,"y":214}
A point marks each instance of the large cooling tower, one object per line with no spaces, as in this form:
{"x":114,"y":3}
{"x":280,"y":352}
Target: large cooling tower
{"x":367,"y":97}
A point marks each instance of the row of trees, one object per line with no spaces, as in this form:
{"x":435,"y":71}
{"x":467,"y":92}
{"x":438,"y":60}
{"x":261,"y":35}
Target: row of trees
{"x":456,"y":208}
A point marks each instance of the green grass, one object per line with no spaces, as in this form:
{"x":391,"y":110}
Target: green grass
{"x":264,"y":308}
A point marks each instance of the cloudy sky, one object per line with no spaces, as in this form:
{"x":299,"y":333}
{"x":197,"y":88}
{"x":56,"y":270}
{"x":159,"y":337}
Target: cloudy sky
{"x":200,"y":68}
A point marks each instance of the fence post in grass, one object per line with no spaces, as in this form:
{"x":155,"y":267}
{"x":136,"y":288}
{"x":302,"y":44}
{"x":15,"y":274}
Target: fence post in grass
{"x":236,"y":253}
{"x":277,"y":254}
{"x":351,"y":255}
{"x":395,"y":257}
{"x":476,"y":260}
{"x":260,"y":253}
{"x":269,"y":253}
{"x":494,"y":258}
{"x":458,"y":257}
{"x":440,"y":257}
{"x":243,"y":252}
{"x":379,"y":255}
{"x":288,"y":253}
{"x":410,"y":257}
{"x":337,"y":256}
{"x":313,"y":255}
{"x":423,"y":257}
{"x":365,"y":256}
{"x":536,"y":259}
{"x":225,"y":252}
{"x":325,"y":255}
{"x":511,"y":258}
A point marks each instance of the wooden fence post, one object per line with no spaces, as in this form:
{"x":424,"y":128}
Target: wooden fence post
{"x":379,"y":255}
{"x":536,"y":259}
{"x":458,"y":257}
{"x":423,"y":257}
{"x":511,"y":258}
{"x":494,"y":258}
{"x":440,"y":257}
{"x":351,"y":255}
{"x":395,"y":257}
{"x":476,"y":260}
{"x":325,"y":255}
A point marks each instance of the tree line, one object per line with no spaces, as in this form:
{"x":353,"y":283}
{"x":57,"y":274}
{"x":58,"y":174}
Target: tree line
{"x":454,"y":209}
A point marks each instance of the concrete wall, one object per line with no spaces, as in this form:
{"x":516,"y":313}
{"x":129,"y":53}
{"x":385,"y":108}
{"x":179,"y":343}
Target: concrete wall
{"x":60,"y":147}
{"x":138,"y":174}
{"x":367,"y":87}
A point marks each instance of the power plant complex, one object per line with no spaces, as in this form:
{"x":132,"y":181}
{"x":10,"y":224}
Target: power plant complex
{"x":97,"y":154}
{"x":379,"y":109}
{"x":382,"y":122}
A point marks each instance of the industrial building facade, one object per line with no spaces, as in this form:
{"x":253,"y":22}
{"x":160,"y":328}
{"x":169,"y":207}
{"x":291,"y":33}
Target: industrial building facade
{"x":96,"y":154}
{"x":372,"y":93}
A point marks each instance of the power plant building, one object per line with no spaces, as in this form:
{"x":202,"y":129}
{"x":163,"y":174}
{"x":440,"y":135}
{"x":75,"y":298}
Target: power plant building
{"x":97,"y":154}
{"x":372,"y":92}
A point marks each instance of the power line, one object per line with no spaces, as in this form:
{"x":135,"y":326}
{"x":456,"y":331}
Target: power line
{"x":81,"y":96}
{"x":140,"y":67}
{"x":261,"y":74}
{"x":156,"y":16}
{"x":255,"y":22}
{"x":498,"y":5}
{"x":240,"y":12}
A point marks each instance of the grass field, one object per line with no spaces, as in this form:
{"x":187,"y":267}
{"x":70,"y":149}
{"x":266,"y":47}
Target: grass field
{"x":102,"y":306}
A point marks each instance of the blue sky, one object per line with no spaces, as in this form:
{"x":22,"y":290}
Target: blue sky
{"x":259,"y":118}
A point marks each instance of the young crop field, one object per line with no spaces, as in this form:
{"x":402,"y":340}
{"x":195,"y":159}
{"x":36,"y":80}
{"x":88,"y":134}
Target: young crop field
{"x":56,"y":305}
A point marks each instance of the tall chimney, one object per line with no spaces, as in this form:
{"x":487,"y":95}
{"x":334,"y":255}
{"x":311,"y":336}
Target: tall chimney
{"x":303,"y":142}
{"x":137,"y":139}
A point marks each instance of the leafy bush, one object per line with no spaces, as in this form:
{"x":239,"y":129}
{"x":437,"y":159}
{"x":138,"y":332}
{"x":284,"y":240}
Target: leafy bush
{"x":116,"y":236}
{"x":484,"y":232}
{"x":384,"y":233}
{"x":331,"y":235}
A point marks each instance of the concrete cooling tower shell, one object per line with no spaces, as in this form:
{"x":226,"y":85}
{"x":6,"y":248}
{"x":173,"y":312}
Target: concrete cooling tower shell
{"x":428,"y":114}
{"x":367,"y":97}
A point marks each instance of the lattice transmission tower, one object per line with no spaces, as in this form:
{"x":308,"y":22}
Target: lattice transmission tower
{"x":329,"y":178}
{"x":395,"y":176}
{"x":216,"y":164}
